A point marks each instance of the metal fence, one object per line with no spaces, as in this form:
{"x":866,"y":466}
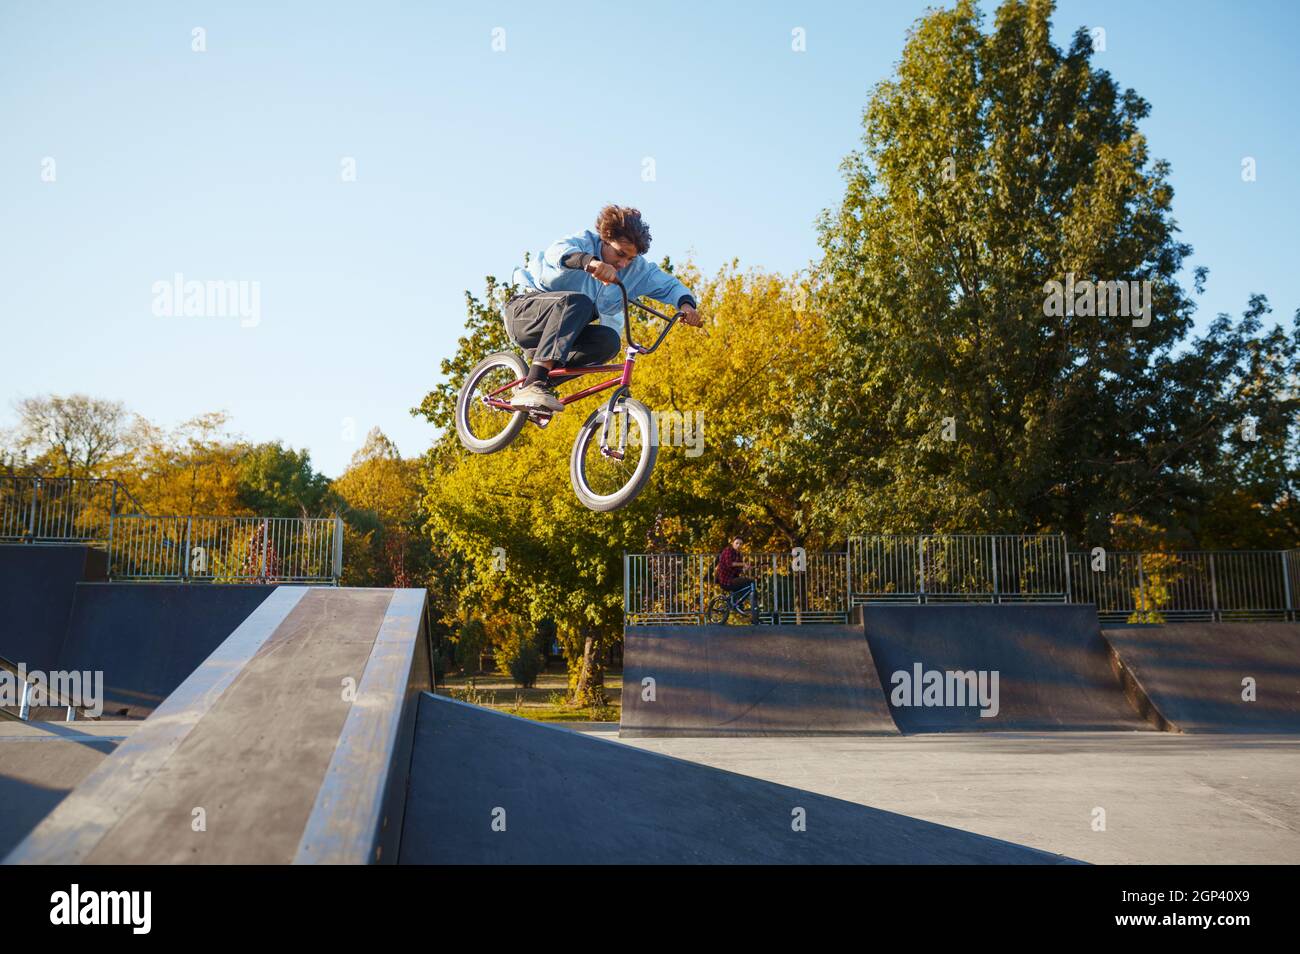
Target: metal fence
{"x":63,"y":510}
{"x":57,"y":509}
{"x":998,"y":568}
{"x":921,"y":568}
{"x":677,"y":587}
{"x":226,"y":549}
{"x":1187,"y":585}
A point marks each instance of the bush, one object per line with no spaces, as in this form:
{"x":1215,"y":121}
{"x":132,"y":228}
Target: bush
{"x":518,"y":658}
{"x":472,"y":694}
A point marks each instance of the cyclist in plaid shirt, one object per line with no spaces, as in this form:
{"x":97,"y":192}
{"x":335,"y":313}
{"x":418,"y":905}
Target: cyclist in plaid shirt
{"x":730,"y":566}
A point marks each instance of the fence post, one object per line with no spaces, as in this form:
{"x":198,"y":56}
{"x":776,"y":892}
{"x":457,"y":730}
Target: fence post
{"x":1065,"y":566}
{"x":1142,"y":591}
{"x":108,"y":563}
{"x":112,"y":516}
{"x":1214,"y":594}
{"x":994,"y":547}
{"x":848,"y":584}
{"x":920,"y":560}
{"x":185,"y":557}
{"x":338,"y":549}
{"x":1286,"y":584}
{"x":266,"y":540}
{"x":798,"y":587}
{"x":702,"y":564}
{"x":31,"y":516}
{"x":772,"y":589}
{"x":625,"y":599}
{"x":848,"y":577}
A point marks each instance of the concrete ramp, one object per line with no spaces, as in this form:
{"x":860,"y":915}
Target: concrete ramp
{"x":489,"y":788}
{"x":1193,"y":673}
{"x":1053,"y":668}
{"x":40,"y":763}
{"x":147,"y":638}
{"x":750,"y":681}
{"x":37,"y":584}
{"x":289,"y":743}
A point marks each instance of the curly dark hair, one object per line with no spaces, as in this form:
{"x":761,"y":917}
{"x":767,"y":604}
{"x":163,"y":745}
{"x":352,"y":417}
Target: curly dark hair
{"x":619,"y":222}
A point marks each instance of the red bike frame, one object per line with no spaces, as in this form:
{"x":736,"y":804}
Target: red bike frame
{"x":559,"y":374}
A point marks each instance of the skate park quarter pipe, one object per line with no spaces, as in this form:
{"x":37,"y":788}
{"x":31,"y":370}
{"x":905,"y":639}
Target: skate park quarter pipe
{"x":750,"y":681}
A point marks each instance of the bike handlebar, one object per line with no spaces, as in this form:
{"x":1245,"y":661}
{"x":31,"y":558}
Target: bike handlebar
{"x":627,"y":322}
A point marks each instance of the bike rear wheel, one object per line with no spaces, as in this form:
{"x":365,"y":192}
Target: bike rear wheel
{"x":605,"y":483}
{"x":718,"y":611}
{"x":484,"y":429}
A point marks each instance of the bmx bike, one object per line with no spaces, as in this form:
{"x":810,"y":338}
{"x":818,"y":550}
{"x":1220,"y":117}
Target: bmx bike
{"x":743,"y":600}
{"x":605,"y":474}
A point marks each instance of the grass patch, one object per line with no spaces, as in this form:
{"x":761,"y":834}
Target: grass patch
{"x":543,"y":703}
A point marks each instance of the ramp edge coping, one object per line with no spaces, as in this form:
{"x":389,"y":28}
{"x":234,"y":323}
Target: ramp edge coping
{"x":346,"y":824}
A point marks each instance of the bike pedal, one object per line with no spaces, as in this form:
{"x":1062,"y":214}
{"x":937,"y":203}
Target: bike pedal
{"x":610,"y":452}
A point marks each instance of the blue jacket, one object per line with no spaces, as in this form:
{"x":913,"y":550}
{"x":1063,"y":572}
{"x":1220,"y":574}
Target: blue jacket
{"x":640,"y":277}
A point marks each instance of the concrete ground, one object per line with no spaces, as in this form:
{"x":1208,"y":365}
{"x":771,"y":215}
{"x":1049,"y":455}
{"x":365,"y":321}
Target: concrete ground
{"x":41,"y":762}
{"x":1166,"y":799}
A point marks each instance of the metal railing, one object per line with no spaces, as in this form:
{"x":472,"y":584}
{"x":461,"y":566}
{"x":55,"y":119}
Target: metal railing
{"x":64,"y":510}
{"x":226,"y":549}
{"x":922,"y":568}
{"x":58,"y":509}
{"x":666,"y":587}
{"x":1000,"y":568}
{"x":676,"y":587}
{"x":18,"y":675}
{"x":1213,"y":585}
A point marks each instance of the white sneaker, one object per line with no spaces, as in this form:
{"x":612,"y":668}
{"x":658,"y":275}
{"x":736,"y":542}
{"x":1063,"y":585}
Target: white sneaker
{"x":537,"y":395}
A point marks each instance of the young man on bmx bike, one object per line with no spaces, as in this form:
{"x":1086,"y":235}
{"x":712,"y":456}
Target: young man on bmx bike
{"x":566,"y":289}
{"x":579,"y":280}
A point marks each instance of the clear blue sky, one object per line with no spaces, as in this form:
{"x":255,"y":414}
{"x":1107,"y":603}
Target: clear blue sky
{"x":225,"y":165}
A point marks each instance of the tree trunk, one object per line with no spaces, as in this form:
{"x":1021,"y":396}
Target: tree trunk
{"x":584,"y":674}
{"x":591,"y":681}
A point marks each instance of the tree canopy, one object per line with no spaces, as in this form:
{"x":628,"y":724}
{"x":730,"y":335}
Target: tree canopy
{"x":993,"y":164}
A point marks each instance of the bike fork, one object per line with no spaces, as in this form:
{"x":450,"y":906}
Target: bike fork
{"x":605,"y":449}
{"x":619,"y":393}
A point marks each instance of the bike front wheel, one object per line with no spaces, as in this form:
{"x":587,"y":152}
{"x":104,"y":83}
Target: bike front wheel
{"x":718,"y":611}
{"x":482,"y":428}
{"x":607,"y":482}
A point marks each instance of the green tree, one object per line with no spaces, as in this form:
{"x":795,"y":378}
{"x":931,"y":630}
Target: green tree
{"x":192,"y":469}
{"x":379,"y":496}
{"x":72,"y":436}
{"x":992,"y":164}
{"x":518,"y":657}
{"x":485,"y":335}
{"x":471,"y":640}
{"x":1231,"y":437}
{"x":278,"y":481}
